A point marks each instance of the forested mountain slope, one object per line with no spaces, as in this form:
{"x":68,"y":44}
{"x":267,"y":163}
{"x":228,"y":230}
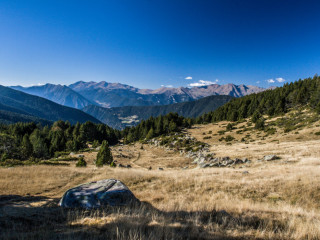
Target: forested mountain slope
{"x":127,"y":116}
{"x":13,"y":101}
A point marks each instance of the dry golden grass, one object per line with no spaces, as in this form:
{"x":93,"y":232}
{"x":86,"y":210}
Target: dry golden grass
{"x":275,"y":200}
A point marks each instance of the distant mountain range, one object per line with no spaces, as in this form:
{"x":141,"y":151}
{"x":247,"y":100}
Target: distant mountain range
{"x":17,"y":106}
{"x":104,"y":94}
{"x":121,"y":117}
{"x":58,"y":94}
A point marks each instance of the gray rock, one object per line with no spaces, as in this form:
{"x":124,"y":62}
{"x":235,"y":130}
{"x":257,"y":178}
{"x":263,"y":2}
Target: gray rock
{"x":204,"y":165}
{"x":160,"y":168}
{"x":108,"y":192}
{"x":245,"y":172}
{"x":238,"y":161}
{"x":270,"y":157}
{"x":229,"y":162}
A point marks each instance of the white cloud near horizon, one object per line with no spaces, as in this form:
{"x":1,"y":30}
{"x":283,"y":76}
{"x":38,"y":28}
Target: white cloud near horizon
{"x":270,"y":81}
{"x":280,"y":80}
{"x":202,"y":83}
{"x":168,"y":86}
{"x":188,"y":78}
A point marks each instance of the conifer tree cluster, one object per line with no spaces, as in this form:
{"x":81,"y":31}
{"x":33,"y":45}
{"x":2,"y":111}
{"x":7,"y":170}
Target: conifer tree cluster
{"x":271,"y":102}
{"x":25,"y":140}
{"x":154,"y":127}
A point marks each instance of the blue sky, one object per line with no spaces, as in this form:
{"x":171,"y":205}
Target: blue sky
{"x":152,"y":43}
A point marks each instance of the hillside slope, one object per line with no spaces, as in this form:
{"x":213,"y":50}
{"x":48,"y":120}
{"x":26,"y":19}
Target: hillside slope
{"x":127,"y":116}
{"x":14,"y":101}
{"x":9,"y":115}
{"x":305,"y":93}
{"x":58,"y":94}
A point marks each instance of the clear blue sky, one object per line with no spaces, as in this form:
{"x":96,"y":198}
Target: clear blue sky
{"x":152,"y":43}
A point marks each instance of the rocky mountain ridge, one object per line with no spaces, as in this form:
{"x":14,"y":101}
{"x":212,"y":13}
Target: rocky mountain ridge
{"x":104,"y":94}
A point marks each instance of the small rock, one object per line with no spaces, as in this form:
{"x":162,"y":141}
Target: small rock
{"x":245,"y":172}
{"x":270,"y":157}
{"x":160,"y":168}
{"x":238,"y":161}
{"x":204,"y":165}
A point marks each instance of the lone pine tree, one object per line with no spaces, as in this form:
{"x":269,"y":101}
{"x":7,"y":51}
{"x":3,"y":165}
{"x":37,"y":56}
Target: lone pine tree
{"x":104,"y":155}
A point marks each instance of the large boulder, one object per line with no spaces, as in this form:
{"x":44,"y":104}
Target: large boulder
{"x":108,"y":192}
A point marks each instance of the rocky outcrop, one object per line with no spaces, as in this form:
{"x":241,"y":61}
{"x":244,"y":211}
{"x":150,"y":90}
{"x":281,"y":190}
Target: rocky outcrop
{"x":199,"y":152}
{"x":108,"y":192}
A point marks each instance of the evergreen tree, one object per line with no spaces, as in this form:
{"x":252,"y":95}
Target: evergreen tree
{"x":40,"y":150}
{"x":26,"y":147}
{"x":150,"y":134}
{"x":104,"y":155}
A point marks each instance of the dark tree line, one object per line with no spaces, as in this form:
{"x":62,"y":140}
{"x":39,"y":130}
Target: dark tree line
{"x":271,"y":102}
{"x":154,"y":127}
{"x":25,"y":140}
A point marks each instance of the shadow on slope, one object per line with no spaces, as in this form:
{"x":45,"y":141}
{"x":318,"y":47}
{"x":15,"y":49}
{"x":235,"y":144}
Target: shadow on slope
{"x":20,"y":218}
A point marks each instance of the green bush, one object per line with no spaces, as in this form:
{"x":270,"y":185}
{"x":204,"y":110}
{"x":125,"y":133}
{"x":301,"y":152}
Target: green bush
{"x":229,"y":127}
{"x":260,"y":124}
{"x":271,"y":131}
{"x":81,"y":162}
{"x":229,"y":138}
{"x":221,"y":132}
{"x":95,"y":144}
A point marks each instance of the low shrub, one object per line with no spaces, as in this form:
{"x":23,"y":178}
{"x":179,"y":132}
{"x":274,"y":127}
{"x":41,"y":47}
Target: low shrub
{"x":81,"y":162}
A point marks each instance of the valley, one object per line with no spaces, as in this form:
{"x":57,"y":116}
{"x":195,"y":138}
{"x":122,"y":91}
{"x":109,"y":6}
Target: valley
{"x":159,"y":120}
{"x":276,"y":199}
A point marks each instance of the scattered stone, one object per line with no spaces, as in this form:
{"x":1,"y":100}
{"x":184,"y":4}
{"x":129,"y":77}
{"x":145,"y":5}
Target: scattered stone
{"x":204,"y":165}
{"x":245,"y":172}
{"x":270,"y":157}
{"x":108,"y":192}
{"x":161,"y":169}
{"x":150,"y":168}
{"x":128,"y":166}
